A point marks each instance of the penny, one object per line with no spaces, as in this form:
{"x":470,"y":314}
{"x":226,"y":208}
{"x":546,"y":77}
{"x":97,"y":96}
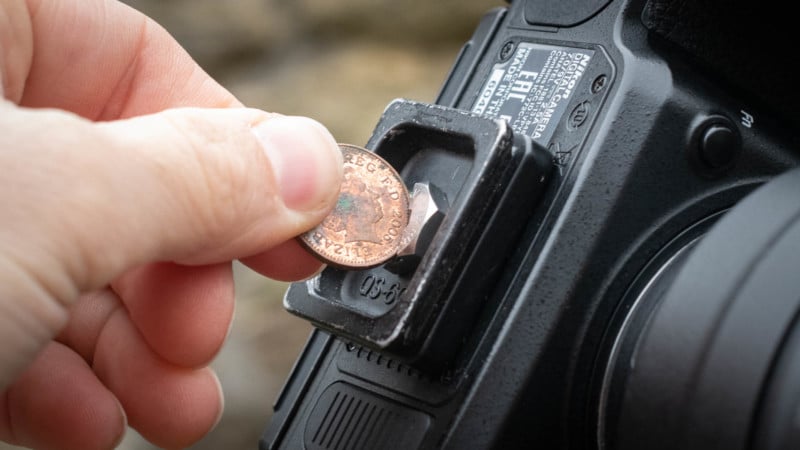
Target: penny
{"x":365,"y":227}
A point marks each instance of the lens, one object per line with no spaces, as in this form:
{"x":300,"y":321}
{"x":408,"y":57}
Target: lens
{"x":708,"y":357}
{"x":636,"y":312}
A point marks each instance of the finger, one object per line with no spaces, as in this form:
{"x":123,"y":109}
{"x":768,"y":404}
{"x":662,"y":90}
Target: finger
{"x":87,"y":317}
{"x":183,"y":313}
{"x":288,"y":261}
{"x":58,"y":403}
{"x":120,"y":63}
{"x":170,"y":406}
{"x":91,"y":201}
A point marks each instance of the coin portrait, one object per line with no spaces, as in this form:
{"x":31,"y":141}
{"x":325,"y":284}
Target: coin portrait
{"x":364,"y":228}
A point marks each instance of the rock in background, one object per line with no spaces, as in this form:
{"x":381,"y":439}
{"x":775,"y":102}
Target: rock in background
{"x":340,"y":62}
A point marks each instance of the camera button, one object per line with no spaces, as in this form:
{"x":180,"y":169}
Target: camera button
{"x":719,"y":145}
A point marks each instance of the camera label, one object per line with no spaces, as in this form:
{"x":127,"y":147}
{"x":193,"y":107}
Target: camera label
{"x":532,"y":88}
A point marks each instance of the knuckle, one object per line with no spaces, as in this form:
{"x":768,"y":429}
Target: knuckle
{"x":221,"y":174}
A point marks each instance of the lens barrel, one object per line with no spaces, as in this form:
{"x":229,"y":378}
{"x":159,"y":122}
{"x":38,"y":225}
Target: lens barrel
{"x":709,"y":356}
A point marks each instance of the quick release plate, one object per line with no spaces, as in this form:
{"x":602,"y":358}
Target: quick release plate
{"x":490,"y":181}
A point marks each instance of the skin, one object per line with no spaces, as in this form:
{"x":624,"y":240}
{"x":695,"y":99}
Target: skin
{"x":130,"y":181}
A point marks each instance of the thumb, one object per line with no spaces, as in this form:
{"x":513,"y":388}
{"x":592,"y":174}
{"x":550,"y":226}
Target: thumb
{"x":83,"y":202}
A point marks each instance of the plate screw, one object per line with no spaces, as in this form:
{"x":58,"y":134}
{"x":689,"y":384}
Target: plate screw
{"x":599,"y":83}
{"x":507,"y":50}
{"x":428,"y":206}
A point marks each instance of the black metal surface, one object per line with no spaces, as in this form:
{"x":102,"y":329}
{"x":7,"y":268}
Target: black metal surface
{"x":562,"y":13}
{"x":640,"y":173}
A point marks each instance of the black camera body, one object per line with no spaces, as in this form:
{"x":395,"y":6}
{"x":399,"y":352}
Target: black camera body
{"x":615,"y":267}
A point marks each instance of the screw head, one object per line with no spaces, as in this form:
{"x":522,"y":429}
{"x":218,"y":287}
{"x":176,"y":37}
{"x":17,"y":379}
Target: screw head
{"x":599,"y":83}
{"x":507,"y":50}
{"x":428,"y":207}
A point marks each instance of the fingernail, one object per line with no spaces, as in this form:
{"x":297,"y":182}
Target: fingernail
{"x":305,"y":159}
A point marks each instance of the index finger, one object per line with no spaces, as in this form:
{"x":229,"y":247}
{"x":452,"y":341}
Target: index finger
{"x":104,"y":60}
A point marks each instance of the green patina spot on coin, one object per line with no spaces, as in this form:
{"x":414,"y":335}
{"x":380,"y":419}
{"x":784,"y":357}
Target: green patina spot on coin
{"x":345,"y":203}
{"x":370,"y":213}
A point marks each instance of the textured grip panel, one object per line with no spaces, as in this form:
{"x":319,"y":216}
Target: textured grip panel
{"x":348,"y":418}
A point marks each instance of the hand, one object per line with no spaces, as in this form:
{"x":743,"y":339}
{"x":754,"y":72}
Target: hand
{"x":120,"y":216}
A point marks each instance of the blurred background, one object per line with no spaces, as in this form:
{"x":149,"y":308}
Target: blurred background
{"x":340,"y":62}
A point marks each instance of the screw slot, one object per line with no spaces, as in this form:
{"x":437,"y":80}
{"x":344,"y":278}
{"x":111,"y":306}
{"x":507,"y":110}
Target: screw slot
{"x":507,"y":50}
{"x":599,"y":83}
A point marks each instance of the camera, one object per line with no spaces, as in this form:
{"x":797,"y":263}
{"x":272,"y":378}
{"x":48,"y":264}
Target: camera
{"x":613,"y":264}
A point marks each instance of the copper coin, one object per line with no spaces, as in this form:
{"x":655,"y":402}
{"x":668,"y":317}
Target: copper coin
{"x":364,"y":228}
